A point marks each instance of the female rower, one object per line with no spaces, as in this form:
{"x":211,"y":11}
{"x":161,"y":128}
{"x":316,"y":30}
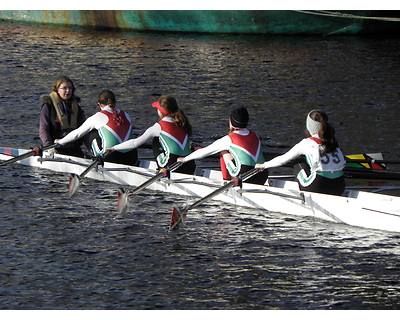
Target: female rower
{"x":113,"y":127}
{"x":170,"y":136}
{"x":323,"y":171}
{"x":239,"y":151}
{"x":60,"y":114}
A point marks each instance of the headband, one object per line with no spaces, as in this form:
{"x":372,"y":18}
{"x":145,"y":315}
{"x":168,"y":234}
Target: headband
{"x":312,"y":125}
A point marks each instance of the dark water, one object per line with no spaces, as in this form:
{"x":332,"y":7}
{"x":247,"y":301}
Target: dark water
{"x":61,"y":253}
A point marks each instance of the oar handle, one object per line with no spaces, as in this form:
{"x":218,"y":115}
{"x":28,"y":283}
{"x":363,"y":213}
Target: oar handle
{"x":174,"y":166}
{"x":249,"y":174}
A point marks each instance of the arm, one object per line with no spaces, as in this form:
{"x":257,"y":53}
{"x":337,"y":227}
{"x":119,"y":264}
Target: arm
{"x":81,"y":120}
{"x":96,"y":121}
{"x":293,"y":153}
{"x":44,"y":126}
{"x":150,"y":133}
{"x":217,"y":146}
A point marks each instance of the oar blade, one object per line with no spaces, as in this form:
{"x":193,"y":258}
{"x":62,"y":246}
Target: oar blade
{"x":178,"y":214}
{"x":73,"y":184}
{"x":177,"y":217}
{"x":123,"y":200}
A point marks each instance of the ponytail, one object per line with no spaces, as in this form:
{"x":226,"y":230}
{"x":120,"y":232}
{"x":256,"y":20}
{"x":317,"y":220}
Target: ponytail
{"x":325,"y":132}
{"x":107,"y":97}
{"x":170,"y":105}
{"x":182,"y":121}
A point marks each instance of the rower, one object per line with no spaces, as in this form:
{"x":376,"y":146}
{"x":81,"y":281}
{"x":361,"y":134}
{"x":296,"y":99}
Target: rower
{"x":323,"y":170}
{"x":107,"y":127}
{"x":170,"y":136}
{"x":239,"y":151}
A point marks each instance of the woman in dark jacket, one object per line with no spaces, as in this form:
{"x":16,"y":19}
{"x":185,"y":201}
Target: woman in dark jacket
{"x":60,"y":114}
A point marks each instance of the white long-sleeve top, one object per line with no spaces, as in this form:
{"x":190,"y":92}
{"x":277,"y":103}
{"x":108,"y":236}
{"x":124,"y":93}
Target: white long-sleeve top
{"x":95,"y":121}
{"x":332,"y":162}
{"x":219,"y":145}
{"x":149,"y":134}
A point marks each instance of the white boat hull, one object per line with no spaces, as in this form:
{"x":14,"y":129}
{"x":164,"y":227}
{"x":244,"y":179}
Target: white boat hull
{"x":356,"y":208}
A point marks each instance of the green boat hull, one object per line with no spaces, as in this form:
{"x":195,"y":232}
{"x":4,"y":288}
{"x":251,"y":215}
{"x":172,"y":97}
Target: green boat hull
{"x":216,"y":21}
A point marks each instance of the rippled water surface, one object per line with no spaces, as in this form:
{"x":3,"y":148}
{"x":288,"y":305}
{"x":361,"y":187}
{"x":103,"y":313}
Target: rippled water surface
{"x":61,"y":253}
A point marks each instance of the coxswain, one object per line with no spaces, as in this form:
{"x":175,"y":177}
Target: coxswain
{"x":60,"y":114}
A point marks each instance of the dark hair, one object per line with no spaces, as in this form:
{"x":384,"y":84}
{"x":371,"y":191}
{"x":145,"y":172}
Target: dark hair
{"x":170,"y":105}
{"x":107,"y":97}
{"x":326,"y":132}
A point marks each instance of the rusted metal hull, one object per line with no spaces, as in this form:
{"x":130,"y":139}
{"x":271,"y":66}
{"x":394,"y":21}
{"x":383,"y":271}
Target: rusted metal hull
{"x":216,"y":21}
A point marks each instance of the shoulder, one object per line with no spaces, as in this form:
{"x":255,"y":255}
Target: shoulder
{"x":305,"y":144}
{"x":45,"y":99}
{"x":226,"y":140}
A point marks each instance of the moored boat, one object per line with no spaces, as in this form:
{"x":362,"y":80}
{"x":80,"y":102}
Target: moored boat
{"x":282,"y":22}
{"x":356,"y":208}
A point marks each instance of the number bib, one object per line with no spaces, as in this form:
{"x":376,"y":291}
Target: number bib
{"x":333,"y":161}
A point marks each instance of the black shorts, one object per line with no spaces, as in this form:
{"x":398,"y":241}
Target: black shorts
{"x":187,"y":167}
{"x":321,"y":184}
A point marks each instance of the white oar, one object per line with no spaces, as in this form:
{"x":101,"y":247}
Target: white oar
{"x":73,"y":181}
{"x":123,"y":196}
{"x":178,"y":214}
{"x":34,"y":152}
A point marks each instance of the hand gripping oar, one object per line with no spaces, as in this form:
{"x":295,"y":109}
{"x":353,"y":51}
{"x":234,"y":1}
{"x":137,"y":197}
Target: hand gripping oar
{"x":123,"y":199}
{"x":178,"y":214}
{"x":34,"y":152}
{"x":73,"y":181}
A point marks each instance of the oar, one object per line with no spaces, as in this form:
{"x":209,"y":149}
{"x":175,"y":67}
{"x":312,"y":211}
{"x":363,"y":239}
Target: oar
{"x":73,"y":181}
{"x":179,"y":214}
{"x":372,"y":161}
{"x":123,"y":196}
{"x":34,"y":152}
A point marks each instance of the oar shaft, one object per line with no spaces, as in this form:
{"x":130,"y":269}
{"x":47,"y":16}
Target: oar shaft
{"x":230,"y":184}
{"x":212,"y":194}
{"x":159,"y":175}
{"x":26,"y":155}
{"x":21,"y":157}
{"x":147,"y":183}
{"x":372,"y":161}
{"x":92,"y":165}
